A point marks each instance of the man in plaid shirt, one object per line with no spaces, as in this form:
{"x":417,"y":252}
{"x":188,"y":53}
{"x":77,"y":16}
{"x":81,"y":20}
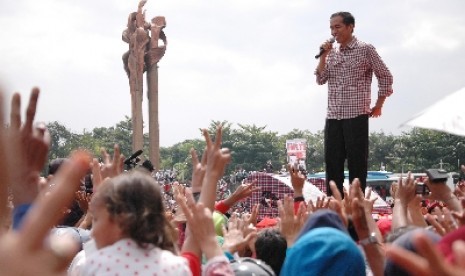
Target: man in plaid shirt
{"x":348,"y":70}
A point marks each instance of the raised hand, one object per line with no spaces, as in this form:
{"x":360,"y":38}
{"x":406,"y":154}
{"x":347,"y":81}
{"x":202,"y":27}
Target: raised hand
{"x":111,"y":167}
{"x":404,"y":194}
{"x":22,"y":155}
{"x":252,"y":217}
{"x":198,"y":170}
{"x":28,"y":148}
{"x":200,"y":225}
{"x":442,"y":192}
{"x":242,"y":192}
{"x":297,"y":180}
{"x":369,"y":202}
{"x":429,"y":261}
{"x":363,"y":223}
{"x":337,"y":204}
{"x":96,"y":174}
{"x":460,"y":215}
{"x":321,"y":203}
{"x":217,"y":159}
{"x":249,"y":226}
{"x":360,"y":219}
{"x":234,"y":237}
{"x":27,"y":251}
{"x":442,"y":223}
{"x":83,"y":200}
{"x":406,"y":189}
{"x":354,"y":192}
{"x":289,"y":223}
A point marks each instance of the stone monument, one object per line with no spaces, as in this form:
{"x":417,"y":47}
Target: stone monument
{"x":147,"y":45}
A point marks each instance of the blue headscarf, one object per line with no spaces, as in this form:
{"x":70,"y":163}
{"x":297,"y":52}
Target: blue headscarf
{"x":324,"y":251}
{"x":323,"y":218}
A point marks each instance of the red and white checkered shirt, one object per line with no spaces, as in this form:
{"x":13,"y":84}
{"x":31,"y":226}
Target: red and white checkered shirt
{"x":349,"y":72}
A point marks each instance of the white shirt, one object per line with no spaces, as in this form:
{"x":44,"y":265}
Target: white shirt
{"x":125,"y":257}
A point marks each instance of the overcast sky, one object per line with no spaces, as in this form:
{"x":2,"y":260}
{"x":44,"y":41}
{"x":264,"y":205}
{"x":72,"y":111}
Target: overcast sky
{"x":244,"y":61}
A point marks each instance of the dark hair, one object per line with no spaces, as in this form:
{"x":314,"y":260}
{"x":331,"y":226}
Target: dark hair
{"x":134,"y":201}
{"x":74,"y":212}
{"x":72,"y":216}
{"x":347,"y":17}
{"x":55,"y":164}
{"x":270,"y":247}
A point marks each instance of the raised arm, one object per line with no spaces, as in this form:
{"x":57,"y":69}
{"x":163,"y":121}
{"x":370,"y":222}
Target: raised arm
{"x":404,"y":194}
{"x":217,"y":159}
{"x":27,"y":251}
{"x":440,"y":191}
{"x":373,"y":251}
{"x":30,"y":147}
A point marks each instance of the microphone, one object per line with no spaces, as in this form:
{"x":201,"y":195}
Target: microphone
{"x":331,"y":40}
{"x":133,"y":156}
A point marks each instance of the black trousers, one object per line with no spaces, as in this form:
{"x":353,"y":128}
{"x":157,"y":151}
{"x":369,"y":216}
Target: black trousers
{"x":346,"y":139}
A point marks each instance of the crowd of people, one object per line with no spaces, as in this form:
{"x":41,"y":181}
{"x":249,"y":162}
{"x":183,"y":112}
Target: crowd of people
{"x":91,"y":217}
{"x":55,"y":225}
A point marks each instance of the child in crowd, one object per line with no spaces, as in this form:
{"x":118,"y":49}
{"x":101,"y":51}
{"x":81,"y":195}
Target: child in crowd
{"x":130,"y":230}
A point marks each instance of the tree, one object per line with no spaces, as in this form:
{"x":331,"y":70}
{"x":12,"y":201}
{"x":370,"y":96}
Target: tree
{"x":252,"y":146}
{"x":380,"y":150}
{"x":63,"y":141}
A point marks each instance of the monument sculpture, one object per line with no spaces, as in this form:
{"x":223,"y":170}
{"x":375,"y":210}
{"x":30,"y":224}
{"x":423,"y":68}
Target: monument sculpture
{"x":147,"y":45}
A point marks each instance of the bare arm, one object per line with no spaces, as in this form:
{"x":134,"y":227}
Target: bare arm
{"x":440,"y":191}
{"x":373,"y":251}
{"x":414,"y":212}
{"x":242,"y":192}
{"x":217,"y":159}
{"x":404,"y":194}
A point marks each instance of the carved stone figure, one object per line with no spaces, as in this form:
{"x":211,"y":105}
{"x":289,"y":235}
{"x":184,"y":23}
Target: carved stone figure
{"x":144,"y":53}
{"x":157,"y":51}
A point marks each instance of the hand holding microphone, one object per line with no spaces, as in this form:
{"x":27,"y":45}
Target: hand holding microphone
{"x":322,"y":48}
{"x":131,"y":158}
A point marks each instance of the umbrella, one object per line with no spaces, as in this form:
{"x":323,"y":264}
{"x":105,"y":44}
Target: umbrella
{"x":446,"y":115}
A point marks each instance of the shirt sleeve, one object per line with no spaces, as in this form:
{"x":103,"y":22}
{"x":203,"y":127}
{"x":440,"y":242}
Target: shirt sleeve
{"x":322,"y":77}
{"x":297,"y":204}
{"x":221,"y":207}
{"x":218,"y":265}
{"x":381,"y":72}
{"x":194,"y":263}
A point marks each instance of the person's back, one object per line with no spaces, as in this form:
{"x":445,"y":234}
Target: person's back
{"x":128,"y":258}
{"x":130,"y":230}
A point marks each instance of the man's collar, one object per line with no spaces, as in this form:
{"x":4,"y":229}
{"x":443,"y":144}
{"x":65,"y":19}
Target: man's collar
{"x":352,"y":43}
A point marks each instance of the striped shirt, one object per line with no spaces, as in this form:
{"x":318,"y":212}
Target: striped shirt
{"x":349,"y":72}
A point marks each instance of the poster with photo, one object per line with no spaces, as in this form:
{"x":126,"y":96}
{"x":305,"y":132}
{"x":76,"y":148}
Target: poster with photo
{"x":296,"y":151}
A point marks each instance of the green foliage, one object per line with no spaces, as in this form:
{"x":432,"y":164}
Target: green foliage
{"x":63,"y":141}
{"x":252,"y":146}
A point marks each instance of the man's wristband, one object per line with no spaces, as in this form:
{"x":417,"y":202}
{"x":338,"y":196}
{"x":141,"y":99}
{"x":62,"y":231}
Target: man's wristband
{"x":299,"y":198}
